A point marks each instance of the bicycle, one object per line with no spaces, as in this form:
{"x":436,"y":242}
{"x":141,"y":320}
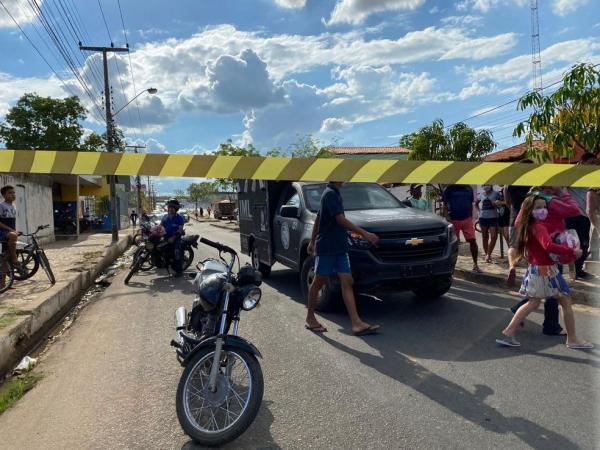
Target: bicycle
{"x":31,"y":257}
{"x":6,"y":270}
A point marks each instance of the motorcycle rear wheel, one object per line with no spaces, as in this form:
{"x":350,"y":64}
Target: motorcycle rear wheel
{"x":214,"y":419}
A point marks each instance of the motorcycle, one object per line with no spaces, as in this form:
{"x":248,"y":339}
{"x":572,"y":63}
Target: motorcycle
{"x":156,"y":252}
{"x":143,"y":233}
{"x":221,"y":388}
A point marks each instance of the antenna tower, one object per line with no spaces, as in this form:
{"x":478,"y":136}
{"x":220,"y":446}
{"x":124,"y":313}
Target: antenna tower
{"x":536,"y":57}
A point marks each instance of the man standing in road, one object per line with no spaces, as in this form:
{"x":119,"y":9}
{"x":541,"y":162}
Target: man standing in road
{"x":458,"y":209}
{"x":416,"y":199}
{"x":329,"y":242}
{"x":8,"y":219}
{"x":173,"y":225}
{"x":488,"y":219}
{"x":133,"y":218}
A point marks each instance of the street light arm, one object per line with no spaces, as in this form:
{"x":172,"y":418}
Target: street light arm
{"x":150,"y":91}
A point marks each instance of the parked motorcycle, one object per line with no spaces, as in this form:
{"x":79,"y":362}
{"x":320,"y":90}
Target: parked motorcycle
{"x":143,"y":233}
{"x":221,"y":388}
{"x":156,"y":252}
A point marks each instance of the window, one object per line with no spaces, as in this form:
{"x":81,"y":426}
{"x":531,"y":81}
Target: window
{"x":356,"y":197}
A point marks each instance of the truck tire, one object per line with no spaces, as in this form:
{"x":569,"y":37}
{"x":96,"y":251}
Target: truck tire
{"x":328,"y":300}
{"x":434,"y":289}
{"x":264,"y":269}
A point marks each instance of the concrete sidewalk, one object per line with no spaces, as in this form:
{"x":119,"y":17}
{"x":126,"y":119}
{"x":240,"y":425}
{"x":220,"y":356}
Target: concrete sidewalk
{"x":32,"y":307}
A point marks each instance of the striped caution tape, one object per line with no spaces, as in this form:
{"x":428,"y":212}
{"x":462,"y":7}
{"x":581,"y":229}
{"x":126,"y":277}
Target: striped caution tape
{"x":301,"y":169}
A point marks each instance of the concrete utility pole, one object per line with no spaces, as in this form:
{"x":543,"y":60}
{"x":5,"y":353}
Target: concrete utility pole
{"x":138,"y":181}
{"x":115,"y":219}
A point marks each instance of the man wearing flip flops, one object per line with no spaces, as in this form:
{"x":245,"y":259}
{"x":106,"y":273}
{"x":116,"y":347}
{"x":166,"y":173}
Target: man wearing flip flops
{"x":329,"y":242}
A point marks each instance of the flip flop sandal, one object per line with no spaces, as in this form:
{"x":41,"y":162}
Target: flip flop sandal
{"x":508,"y":341}
{"x":582,"y":346}
{"x":316,"y":329}
{"x":371,"y":329}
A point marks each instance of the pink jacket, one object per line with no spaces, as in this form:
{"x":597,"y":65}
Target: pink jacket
{"x":559,"y":208}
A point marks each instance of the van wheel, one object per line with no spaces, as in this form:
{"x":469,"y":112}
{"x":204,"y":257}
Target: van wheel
{"x":264,"y":269}
{"x":327,"y":300}
{"x":434,"y":289}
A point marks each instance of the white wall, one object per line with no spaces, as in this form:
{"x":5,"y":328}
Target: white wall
{"x":34,"y":202}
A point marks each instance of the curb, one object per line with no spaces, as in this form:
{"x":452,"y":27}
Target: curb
{"x":579,"y":296}
{"x":22,"y":337}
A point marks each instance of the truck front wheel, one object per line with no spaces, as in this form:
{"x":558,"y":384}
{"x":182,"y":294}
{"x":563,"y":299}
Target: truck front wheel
{"x":435,"y":288}
{"x":264,"y":269}
{"x":327,"y":300}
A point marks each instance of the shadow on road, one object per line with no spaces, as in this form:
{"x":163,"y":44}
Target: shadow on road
{"x":467,"y":320}
{"x":258,"y":436}
{"x":469,"y":405}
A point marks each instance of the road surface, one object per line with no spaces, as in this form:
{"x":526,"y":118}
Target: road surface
{"x":433,"y":379}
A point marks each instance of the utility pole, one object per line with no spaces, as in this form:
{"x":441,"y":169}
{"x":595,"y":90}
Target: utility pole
{"x":109,"y":131}
{"x":536,"y":58}
{"x":138,"y":181}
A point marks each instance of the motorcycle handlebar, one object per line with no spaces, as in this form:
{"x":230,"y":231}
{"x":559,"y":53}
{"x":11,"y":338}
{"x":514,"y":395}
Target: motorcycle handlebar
{"x":220,"y":247}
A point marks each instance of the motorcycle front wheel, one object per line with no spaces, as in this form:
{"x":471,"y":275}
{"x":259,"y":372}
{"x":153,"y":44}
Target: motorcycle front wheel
{"x":216,"y":418}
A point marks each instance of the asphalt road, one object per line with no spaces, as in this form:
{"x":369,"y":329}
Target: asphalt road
{"x":433,"y":379}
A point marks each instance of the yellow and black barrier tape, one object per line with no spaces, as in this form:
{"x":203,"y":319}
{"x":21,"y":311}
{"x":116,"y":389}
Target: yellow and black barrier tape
{"x":301,"y":169}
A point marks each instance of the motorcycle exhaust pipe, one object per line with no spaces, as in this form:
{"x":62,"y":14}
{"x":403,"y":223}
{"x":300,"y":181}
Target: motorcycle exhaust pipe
{"x":180,"y":323}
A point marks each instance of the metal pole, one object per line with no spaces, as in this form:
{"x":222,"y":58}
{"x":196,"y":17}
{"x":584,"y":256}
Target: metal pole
{"x":109,"y":148}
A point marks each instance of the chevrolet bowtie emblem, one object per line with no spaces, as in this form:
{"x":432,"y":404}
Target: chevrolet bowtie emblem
{"x":414,"y":242}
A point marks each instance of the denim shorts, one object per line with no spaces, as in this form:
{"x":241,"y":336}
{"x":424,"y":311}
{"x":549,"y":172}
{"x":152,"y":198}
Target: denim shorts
{"x":329,"y":264}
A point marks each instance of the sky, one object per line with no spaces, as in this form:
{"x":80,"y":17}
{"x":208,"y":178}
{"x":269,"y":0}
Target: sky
{"x":267,"y":72}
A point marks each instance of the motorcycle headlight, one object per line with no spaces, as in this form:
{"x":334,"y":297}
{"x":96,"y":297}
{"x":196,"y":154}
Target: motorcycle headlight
{"x":251,"y":299}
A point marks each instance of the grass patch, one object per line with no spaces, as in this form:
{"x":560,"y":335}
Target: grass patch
{"x":15,"y":388}
{"x":9,"y":316}
{"x":92,"y":255}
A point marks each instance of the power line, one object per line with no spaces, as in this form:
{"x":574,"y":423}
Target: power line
{"x":105,"y":22}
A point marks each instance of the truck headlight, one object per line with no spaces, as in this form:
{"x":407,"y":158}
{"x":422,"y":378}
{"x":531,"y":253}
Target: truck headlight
{"x":451,"y":233}
{"x":357,"y":240}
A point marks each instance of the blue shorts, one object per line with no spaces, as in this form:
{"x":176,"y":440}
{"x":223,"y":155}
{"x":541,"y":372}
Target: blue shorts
{"x":488,"y":223}
{"x":330,"y":264}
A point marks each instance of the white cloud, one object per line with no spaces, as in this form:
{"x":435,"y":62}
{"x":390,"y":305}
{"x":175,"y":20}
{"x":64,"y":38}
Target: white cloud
{"x":356,"y":11}
{"x":485,"y":5}
{"x":334,"y":124}
{"x":564,"y":7}
{"x":519,"y":68}
{"x":234,"y":83}
{"x":20,"y":10}
{"x":12,"y":88}
{"x":291,"y":4}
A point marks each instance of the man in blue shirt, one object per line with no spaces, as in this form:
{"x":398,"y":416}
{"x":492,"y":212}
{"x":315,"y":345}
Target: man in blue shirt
{"x":173,"y":225}
{"x":458,"y":209}
{"x":329,"y":242}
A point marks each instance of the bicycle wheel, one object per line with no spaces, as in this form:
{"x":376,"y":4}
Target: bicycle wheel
{"x":29,"y":264}
{"x":6,"y":274}
{"x":46,"y":266}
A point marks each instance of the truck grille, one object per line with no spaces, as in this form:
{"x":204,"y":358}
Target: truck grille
{"x":389,"y":235}
{"x":408,"y":253}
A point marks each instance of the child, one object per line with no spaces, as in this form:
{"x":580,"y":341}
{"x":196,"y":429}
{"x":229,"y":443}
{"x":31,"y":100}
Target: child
{"x":543,"y":278}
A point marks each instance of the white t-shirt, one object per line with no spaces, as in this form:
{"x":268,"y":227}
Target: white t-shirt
{"x":8,"y":214}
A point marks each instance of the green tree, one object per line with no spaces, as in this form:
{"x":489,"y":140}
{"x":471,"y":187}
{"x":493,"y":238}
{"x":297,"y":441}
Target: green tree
{"x":458,"y":143}
{"x":310,"y":147}
{"x":567,"y":118}
{"x":200,"y":191}
{"x":93,"y":143}
{"x":43,"y":123}
{"x":230,"y":149}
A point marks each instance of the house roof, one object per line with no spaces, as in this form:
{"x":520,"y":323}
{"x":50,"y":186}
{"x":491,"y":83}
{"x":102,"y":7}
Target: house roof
{"x":518,"y":152}
{"x":514,"y":153}
{"x":369,"y":150}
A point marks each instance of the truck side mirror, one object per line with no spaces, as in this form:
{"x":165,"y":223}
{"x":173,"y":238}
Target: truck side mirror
{"x":289,"y":211}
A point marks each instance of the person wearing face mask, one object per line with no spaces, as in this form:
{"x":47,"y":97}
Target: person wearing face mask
{"x":561,"y":205}
{"x":543,"y":279}
{"x":488,"y":203}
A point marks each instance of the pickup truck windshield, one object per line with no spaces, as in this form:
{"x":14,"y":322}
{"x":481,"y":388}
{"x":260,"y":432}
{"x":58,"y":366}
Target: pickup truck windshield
{"x":356,"y":197}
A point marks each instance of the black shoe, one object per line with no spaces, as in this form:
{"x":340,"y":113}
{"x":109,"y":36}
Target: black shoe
{"x":583,"y":275}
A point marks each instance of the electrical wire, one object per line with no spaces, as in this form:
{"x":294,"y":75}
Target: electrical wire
{"x":105,"y":22}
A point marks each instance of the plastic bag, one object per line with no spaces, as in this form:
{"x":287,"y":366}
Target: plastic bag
{"x":26,"y":364}
{"x":567,"y":238}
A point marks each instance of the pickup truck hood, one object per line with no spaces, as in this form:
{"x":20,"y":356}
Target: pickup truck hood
{"x":395,"y":219}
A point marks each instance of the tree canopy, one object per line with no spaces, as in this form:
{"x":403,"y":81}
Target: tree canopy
{"x":458,"y":143}
{"x":567,"y":118}
{"x":43,"y":123}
